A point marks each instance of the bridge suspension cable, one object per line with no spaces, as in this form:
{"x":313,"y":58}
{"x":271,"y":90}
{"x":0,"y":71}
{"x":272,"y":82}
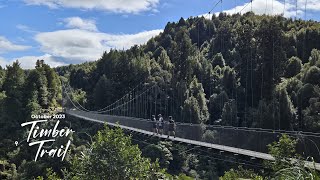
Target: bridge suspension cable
{"x":246,"y":6}
{"x":271,"y":131}
{"x":105,"y":109}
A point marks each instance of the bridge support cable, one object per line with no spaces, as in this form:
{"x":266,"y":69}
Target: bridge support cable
{"x":305,"y":10}
{"x":109,"y":107}
{"x":101,"y":110}
{"x":272,"y":131}
{"x":246,"y":6}
{"x":284,"y":8}
{"x":143,"y":126}
{"x":296,"y":10}
{"x":119,"y":107}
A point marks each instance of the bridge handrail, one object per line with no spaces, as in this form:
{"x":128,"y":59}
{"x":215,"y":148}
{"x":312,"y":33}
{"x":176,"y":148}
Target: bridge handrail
{"x":248,"y":129}
{"x":199,"y":143}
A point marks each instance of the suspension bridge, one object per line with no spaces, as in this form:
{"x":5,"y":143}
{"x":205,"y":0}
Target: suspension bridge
{"x":133,"y":112}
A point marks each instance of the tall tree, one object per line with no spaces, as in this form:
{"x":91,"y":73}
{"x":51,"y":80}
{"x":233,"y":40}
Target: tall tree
{"x":195,"y":106}
{"x":164,"y":61}
{"x":287,"y":112}
{"x":314,"y":58}
{"x":270,"y":37}
{"x":103,"y":92}
{"x":229,"y":113}
{"x":13,"y":103}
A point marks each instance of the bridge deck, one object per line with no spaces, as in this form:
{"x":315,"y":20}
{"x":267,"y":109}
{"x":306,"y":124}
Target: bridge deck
{"x":234,"y":150}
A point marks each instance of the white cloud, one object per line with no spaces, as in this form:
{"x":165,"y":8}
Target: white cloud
{"x":2,"y":62}
{"x":82,"y":45}
{"x":77,"y":45}
{"x":26,"y":28}
{"x":117,"y":6}
{"x":29,"y":62}
{"x":6,"y":45}
{"x":78,"y":23}
{"x":311,"y":4}
{"x":276,"y":7}
{"x":259,"y":7}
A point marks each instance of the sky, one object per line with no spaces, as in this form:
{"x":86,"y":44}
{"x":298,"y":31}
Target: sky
{"x":66,"y":32}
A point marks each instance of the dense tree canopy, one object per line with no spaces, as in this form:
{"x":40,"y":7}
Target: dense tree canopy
{"x":238,"y":60}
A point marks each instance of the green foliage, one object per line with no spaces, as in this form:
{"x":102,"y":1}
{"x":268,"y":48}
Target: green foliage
{"x":140,"y":68}
{"x":14,"y":81}
{"x":287,"y":112}
{"x":158,"y":152}
{"x":54,"y":86}
{"x":314,"y":58}
{"x":216,"y":103}
{"x":292,"y":86}
{"x":8,"y":170}
{"x":229,"y":80}
{"x":103,"y":92}
{"x":81,"y":77}
{"x":209,"y":136}
{"x":179,"y":158}
{"x":12,"y":105}
{"x":297,"y":172}
{"x":112,"y":156}
{"x":312,"y":113}
{"x":293,"y":67}
{"x":282,"y":151}
{"x":31,"y":169}
{"x":266,"y":113}
{"x":79,"y":96}
{"x":218,"y":60}
{"x":42,"y":89}
{"x":33,"y":107}
{"x":240,"y":174}
{"x":24,"y":93}
{"x":229,"y":113}
{"x":304,"y":94}
{"x":195,"y":106}
{"x":179,"y":177}
{"x":164,"y":61}
{"x":158,"y":75}
{"x":192,"y":163}
{"x":50,"y":175}
{"x":288,"y":164}
{"x":245,"y":57}
{"x":312,"y":76}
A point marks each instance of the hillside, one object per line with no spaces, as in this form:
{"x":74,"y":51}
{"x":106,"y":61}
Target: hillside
{"x":250,"y":70}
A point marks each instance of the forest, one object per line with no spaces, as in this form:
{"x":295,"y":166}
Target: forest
{"x":244,"y":70}
{"x":234,"y":70}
